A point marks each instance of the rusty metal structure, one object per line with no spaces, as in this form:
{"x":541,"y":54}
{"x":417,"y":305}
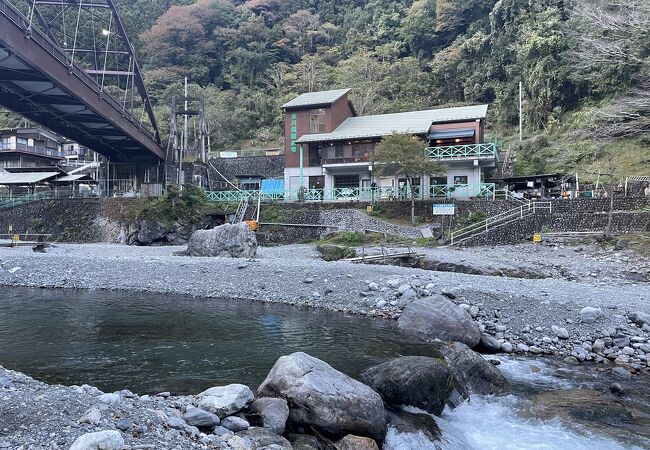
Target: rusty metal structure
{"x":69,"y":66}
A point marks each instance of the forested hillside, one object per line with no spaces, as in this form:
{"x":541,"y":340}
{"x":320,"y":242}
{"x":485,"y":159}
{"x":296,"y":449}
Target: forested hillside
{"x":584,"y":65}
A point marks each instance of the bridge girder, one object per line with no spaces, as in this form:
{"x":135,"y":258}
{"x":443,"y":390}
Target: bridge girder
{"x":39,"y":79}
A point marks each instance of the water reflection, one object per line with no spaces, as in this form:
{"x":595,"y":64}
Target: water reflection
{"x":150,"y":342}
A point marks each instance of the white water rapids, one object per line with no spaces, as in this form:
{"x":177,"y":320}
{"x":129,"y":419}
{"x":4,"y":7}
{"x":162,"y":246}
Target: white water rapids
{"x":494,"y":423}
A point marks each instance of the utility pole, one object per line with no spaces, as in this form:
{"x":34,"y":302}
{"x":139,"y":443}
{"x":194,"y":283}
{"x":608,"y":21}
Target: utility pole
{"x":184,"y":145}
{"x":521,"y":117}
{"x":181,"y":147}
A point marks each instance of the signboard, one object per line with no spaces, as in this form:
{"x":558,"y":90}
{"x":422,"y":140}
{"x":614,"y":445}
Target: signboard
{"x":537,"y":238}
{"x":294,"y":130}
{"x":444,"y":209}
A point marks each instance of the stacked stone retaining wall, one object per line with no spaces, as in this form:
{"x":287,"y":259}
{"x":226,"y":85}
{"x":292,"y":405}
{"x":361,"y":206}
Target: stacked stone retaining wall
{"x":71,"y":220}
{"x":562,"y":222}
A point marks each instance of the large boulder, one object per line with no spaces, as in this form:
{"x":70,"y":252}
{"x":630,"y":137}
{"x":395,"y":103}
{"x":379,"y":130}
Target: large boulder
{"x":324,"y":398}
{"x":472,"y":372}
{"x":272,"y":413}
{"x":420,"y":381}
{"x":233,"y":240}
{"x":100,"y":440}
{"x":225,"y":400}
{"x":438,"y":318}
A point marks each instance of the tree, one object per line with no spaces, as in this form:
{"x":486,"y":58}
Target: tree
{"x":403,"y":155}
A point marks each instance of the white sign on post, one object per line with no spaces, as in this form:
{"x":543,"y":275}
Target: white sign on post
{"x":444,"y":209}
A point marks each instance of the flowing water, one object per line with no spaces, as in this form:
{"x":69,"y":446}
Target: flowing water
{"x":150,"y":343}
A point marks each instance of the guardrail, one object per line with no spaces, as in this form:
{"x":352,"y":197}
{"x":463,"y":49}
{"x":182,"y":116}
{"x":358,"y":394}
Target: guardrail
{"x":358,"y":194}
{"x":499,"y":220}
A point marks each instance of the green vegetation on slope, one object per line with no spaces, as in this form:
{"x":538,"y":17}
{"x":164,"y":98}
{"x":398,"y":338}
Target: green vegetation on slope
{"x":584,"y":66}
{"x":187,"y":207}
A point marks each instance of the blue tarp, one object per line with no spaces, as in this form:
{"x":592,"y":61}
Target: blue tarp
{"x":273,"y":185}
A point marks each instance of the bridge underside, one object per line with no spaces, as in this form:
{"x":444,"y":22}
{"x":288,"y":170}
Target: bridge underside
{"x":38,"y":82}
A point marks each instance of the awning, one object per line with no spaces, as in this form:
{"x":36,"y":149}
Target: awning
{"x":451,"y":134}
{"x":71,"y":178}
{"x":25,"y":177}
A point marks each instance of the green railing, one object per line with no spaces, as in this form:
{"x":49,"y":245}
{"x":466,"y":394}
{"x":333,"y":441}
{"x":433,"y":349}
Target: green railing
{"x":359,"y":194}
{"x":10,"y":202}
{"x":463,"y":151}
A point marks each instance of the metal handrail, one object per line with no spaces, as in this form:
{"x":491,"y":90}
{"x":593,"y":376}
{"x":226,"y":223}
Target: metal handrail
{"x":498,"y":220}
{"x":509,"y":195}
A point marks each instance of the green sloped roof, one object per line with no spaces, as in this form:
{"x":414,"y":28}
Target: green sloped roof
{"x":412,"y":122}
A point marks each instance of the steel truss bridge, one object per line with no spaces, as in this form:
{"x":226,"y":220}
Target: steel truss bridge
{"x":68,"y":65}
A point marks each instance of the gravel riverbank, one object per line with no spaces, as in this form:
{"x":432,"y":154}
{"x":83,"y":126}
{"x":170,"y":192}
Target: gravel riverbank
{"x":527,"y":315}
{"x":581,"y":304}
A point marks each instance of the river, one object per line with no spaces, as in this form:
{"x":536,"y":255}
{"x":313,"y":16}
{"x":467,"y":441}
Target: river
{"x":150,"y":343}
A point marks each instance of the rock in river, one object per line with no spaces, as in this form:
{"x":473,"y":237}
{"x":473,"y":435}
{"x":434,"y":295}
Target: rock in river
{"x":488,"y":344}
{"x":472,"y":371}
{"x":419,"y":381}
{"x":101,"y":440}
{"x":437,"y":317}
{"x":322,"y":397}
{"x":225,"y":400}
{"x":234,"y":240}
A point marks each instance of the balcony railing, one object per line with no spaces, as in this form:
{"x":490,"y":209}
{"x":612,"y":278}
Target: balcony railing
{"x":359,"y":194}
{"x":463,"y":151}
{"x":35,"y":149}
{"x":346,"y":160}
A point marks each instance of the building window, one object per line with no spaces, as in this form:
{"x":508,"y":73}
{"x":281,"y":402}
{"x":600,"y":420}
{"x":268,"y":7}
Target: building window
{"x":317,"y":121}
{"x":338,"y":151}
{"x":346,"y":181}
{"x":437,"y":180}
{"x":460,"y":179}
{"x":314,"y":155}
